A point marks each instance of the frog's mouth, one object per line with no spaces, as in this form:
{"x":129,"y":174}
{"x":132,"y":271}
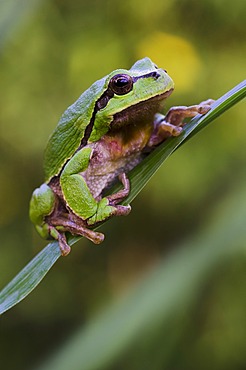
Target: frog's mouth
{"x":141,"y":112}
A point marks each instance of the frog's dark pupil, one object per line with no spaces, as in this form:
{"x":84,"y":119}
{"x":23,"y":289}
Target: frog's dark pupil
{"x":121,"y":81}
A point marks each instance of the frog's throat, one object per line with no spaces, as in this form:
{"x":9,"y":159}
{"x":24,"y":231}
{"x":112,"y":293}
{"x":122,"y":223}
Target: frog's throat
{"x":140,"y":112}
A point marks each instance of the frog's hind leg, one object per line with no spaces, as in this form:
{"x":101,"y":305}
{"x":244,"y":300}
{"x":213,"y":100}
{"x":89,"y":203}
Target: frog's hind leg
{"x":61,"y":225}
{"x":75,"y":228}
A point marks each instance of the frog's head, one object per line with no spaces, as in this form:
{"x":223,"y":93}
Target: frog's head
{"x":131,"y":96}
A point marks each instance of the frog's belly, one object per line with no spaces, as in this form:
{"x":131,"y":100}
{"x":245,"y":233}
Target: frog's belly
{"x":102,"y":177}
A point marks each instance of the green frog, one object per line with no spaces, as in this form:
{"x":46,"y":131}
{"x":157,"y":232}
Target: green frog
{"x":102,"y":136}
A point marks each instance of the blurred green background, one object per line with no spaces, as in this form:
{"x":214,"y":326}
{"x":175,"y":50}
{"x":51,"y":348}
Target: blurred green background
{"x":50,"y":52}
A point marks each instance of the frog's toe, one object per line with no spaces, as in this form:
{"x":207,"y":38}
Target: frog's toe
{"x":176,"y":131}
{"x":122,"y":210}
{"x":97,"y":238}
{"x":64,"y":247}
{"x":207,"y":102}
{"x":170,"y":129}
{"x":202,"y":109}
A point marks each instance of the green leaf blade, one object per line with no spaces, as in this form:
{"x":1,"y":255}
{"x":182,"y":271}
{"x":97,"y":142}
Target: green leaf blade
{"x":29,"y":277}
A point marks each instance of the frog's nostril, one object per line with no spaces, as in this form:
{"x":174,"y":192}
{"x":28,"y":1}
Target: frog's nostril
{"x":155,"y":74}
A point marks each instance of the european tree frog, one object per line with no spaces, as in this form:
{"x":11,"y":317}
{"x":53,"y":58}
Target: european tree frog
{"x":98,"y":139}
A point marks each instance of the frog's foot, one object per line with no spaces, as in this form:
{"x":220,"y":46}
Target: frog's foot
{"x":121,"y":210}
{"x":64,"y":247}
{"x":61,"y":238}
{"x":172,"y":123}
{"x":108,"y":206}
{"x":62,"y":225}
{"x":176,"y":115}
{"x":119,"y":196}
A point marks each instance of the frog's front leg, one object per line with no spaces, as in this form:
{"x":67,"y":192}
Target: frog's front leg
{"x":80,"y":200}
{"x":115,"y":198}
{"x":109,"y":206}
{"x":172,"y":123}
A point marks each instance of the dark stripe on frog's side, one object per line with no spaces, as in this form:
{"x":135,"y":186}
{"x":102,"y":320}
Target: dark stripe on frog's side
{"x":103,"y":101}
{"x":107,"y":95}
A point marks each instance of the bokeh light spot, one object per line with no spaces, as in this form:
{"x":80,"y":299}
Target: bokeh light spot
{"x":175,"y":54}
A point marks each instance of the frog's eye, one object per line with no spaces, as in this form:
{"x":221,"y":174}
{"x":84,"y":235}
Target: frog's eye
{"x":121,"y":84}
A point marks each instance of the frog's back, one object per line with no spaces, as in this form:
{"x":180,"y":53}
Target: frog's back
{"x":67,"y":136}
